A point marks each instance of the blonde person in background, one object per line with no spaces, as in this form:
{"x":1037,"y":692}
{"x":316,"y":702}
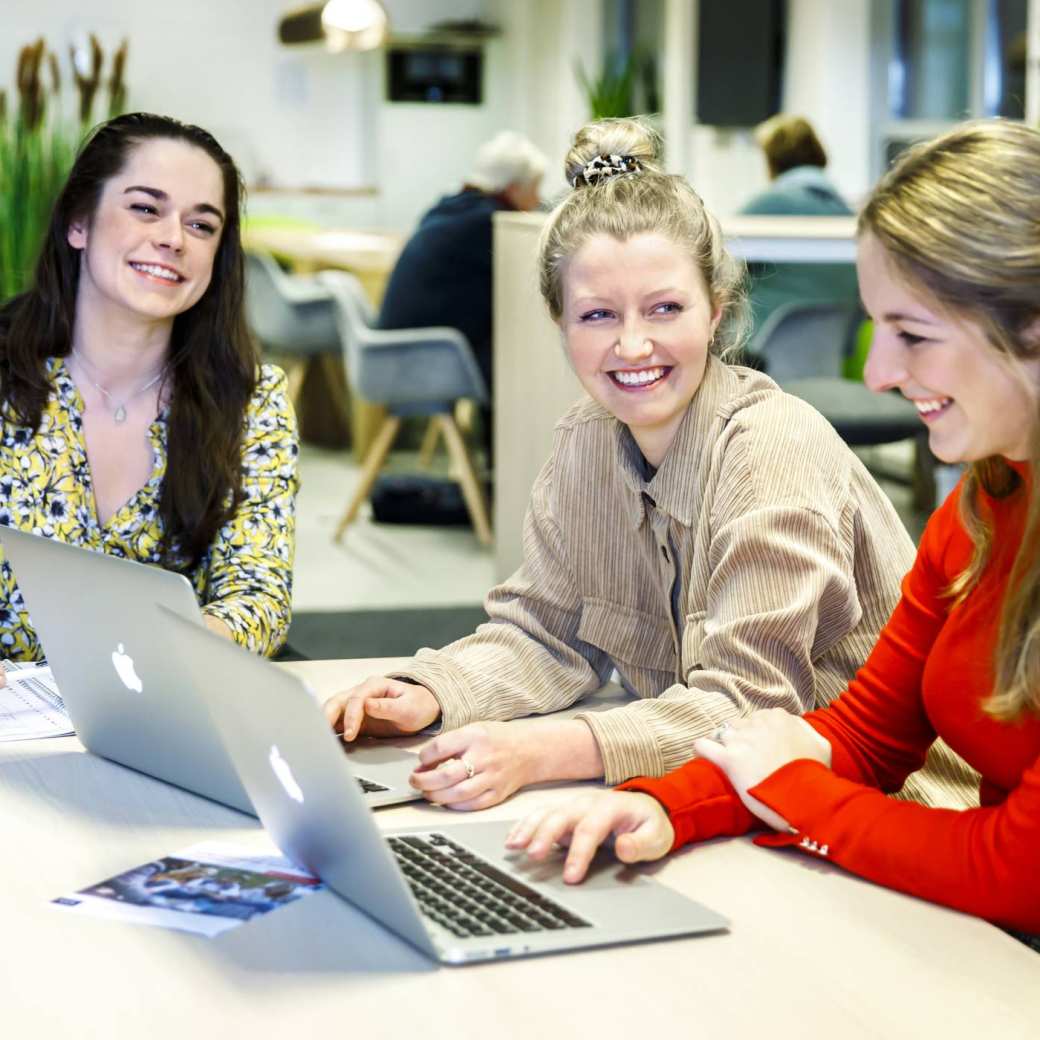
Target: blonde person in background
{"x":705,"y":534}
{"x":949,"y":268}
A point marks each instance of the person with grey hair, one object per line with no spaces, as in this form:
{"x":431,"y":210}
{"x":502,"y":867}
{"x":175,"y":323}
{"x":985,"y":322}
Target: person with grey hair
{"x":443,"y":275}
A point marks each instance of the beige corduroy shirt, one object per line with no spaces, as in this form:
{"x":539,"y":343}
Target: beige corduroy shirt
{"x":754,"y":569}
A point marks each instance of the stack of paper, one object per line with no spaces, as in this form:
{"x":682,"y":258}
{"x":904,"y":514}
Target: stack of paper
{"x":30,"y":705}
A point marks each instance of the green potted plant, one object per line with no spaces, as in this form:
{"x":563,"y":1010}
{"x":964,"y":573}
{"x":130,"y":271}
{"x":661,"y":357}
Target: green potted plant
{"x":37,"y":146}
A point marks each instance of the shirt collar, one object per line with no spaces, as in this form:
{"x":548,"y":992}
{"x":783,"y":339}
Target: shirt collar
{"x":677,"y":488}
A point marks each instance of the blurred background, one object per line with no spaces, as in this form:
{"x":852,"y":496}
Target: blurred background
{"x":351,"y":119}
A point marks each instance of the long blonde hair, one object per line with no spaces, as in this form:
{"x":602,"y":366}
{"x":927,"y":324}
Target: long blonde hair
{"x":960,"y":216}
{"x":646,"y":200}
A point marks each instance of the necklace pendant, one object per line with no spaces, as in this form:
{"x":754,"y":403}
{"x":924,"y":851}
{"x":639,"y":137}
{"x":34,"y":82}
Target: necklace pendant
{"x":119,"y":414}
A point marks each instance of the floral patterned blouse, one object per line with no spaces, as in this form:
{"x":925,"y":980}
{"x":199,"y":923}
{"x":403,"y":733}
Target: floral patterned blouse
{"x":245,"y":577}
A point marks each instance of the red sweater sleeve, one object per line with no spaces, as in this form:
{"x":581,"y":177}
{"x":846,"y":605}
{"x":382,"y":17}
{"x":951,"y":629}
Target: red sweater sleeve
{"x":983,"y":861}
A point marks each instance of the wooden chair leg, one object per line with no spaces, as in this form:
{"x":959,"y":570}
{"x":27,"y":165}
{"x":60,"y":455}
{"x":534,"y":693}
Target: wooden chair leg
{"x":295,"y":370}
{"x":369,"y":471}
{"x":429,"y":442}
{"x":472,"y":492}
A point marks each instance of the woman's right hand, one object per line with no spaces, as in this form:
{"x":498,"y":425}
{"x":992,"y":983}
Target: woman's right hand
{"x":382,"y":707}
{"x":638,"y":823}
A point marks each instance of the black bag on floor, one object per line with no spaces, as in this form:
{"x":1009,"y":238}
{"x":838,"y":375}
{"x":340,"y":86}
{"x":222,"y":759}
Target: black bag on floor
{"x":409,"y":499}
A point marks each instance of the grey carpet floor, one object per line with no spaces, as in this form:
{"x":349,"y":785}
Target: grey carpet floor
{"x":320,"y":635}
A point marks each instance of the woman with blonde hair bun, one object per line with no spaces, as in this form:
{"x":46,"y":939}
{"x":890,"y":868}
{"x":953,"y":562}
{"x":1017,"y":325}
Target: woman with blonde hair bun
{"x":949,"y":269}
{"x":696,"y":529}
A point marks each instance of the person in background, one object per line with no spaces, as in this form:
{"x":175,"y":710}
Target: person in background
{"x":136,"y":420}
{"x":949,"y":268}
{"x":444,"y":273}
{"x":798,"y":188}
{"x":695,"y":528}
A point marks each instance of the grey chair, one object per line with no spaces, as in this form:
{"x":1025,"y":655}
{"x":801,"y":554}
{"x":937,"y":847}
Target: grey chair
{"x":292,"y":316}
{"x":411,"y":372}
{"x":803,"y":346}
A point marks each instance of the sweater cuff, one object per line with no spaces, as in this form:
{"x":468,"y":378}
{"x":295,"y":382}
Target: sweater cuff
{"x":797,"y":791}
{"x":700,"y":801}
{"x":627,"y":746}
{"x":439,"y":674}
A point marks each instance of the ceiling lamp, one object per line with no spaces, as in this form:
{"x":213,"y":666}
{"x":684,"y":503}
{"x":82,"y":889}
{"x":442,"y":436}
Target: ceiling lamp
{"x":354,"y":25}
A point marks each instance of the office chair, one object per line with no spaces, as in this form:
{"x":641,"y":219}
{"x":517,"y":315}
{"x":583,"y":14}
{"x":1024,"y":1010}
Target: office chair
{"x":292,"y":316}
{"x":804,"y":346}
{"x":409,"y":372}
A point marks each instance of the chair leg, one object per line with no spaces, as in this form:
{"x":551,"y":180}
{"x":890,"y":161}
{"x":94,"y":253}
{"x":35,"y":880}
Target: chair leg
{"x":472,"y":492}
{"x":295,"y":371}
{"x":369,"y":471}
{"x":429,"y":442}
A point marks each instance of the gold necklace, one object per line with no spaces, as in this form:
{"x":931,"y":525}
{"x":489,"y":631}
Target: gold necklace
{"x":119,"y":413}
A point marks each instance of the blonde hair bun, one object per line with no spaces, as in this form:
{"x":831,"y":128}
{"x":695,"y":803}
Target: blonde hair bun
{"x":633,"y":137}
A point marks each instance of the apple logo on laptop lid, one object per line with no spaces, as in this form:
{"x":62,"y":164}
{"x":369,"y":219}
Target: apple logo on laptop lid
{"x":124,"y":666}
{"x":283,"y":771}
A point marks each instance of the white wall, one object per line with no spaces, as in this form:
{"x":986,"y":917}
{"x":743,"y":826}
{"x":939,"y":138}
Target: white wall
{"x":286,"y":116}
{"x":827,"y":80}
{"x":303,"y":117}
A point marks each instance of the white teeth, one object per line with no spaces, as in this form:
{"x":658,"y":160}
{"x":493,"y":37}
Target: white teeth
{"x":646,"y":375}
{"x":157,"y":271}
{"x":924,"y":407}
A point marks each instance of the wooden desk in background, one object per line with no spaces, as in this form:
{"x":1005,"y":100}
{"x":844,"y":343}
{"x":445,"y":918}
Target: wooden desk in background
{"x":370,"y":256}
{"x":812,"y":951}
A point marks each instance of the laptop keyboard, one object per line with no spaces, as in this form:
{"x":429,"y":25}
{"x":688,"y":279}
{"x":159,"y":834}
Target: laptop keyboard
{"x":370,"y":786}
{"x":470,"y":896}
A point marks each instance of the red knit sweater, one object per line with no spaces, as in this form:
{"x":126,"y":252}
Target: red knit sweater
{"x":927,"y":676}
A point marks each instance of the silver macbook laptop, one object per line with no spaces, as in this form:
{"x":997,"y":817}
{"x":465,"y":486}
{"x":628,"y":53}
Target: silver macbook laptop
{"x":125,"y":686}
{"x":450,"y":889}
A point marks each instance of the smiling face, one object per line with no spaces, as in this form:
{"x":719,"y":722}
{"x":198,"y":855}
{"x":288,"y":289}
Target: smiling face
{"x":148,"y":248}
{"x":637,"y":321}
{"x":975,"y":402}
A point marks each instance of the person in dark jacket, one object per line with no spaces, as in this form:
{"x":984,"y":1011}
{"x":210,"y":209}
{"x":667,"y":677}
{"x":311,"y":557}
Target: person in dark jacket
{"x":444,"y":273}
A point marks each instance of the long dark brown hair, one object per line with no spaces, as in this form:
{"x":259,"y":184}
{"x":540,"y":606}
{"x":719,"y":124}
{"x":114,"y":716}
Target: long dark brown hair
{"x":212,"y":357}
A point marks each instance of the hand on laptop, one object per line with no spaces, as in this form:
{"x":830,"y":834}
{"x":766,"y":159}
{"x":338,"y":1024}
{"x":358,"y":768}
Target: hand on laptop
{"x":483,"y":763}
{"x":382,"y":707}
{"x":478,"y":765}
{"x":638,"y":823}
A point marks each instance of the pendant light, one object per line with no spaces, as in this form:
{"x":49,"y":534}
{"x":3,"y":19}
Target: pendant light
{"x":354,"y":25}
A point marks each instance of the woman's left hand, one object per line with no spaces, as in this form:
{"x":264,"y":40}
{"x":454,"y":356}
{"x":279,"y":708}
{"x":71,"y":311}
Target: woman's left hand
{"x":478,"y":765}
{"x":750,"y":749}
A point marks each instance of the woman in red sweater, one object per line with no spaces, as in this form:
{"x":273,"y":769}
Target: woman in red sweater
{"x":949,"y":269}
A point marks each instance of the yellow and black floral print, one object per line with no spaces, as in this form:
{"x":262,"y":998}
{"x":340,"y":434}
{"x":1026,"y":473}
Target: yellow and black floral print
{"x":245,"y":578}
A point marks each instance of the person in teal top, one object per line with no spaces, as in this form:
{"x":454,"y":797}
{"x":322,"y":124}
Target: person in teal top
{"x":798,"y":187}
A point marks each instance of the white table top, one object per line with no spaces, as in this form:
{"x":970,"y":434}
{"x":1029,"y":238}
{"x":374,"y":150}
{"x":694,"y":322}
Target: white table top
{"x":812,"y":952}
{"x":774,"y":239}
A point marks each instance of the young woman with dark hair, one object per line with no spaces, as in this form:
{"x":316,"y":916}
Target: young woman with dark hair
{"x":136,"y":419}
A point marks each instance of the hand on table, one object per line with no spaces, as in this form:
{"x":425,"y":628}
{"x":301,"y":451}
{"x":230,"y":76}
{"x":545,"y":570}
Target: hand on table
{"x":382,"y":707}
{"x":638,"y":823}
{"x":478,"y":765}
{"x":750,"y":749}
